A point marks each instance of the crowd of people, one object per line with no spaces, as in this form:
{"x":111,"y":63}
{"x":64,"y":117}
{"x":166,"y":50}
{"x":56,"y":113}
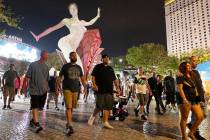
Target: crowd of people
{"x":183,"y":91}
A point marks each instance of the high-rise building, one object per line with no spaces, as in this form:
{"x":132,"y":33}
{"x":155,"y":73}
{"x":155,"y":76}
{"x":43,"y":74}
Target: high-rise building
{"x":187,"y":25}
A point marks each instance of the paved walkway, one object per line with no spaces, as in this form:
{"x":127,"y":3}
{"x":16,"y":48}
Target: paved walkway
{"x":14,"y":125}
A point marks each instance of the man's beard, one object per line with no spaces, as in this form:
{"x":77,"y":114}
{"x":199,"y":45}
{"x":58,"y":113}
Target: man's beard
{"x":73,"y":60}
{"x":194,"y":67}
{"x":105,"y":63}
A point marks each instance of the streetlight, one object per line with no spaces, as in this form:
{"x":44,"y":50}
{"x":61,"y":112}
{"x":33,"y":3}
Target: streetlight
{"x":120,"y":60}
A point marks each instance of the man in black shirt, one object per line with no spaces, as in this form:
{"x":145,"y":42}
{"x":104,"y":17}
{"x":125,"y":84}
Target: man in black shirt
{"x":152,"y":81}
{"x":71,"y":74}
{"x":169,"y":89}
{"x":103,"y":77}
{"x":201,"y":92}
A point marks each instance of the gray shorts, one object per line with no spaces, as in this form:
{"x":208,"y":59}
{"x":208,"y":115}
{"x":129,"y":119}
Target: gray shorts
{"x":142,"y":98}
{"x":104,"y":101}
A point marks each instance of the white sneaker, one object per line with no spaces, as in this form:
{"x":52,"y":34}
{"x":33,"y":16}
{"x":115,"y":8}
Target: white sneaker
{"x":91,"y":120}
{"x":107,"y":125}
{"x":173,"y":110}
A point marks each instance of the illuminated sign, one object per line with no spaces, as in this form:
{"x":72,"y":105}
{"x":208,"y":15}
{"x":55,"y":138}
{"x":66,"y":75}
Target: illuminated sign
{"x":11,"y":37}
{"x":18,"y":51}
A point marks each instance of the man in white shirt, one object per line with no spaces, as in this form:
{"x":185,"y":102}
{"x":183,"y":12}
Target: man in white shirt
{"x":141,"y":87}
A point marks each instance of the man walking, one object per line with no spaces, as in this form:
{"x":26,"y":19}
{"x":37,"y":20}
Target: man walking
{"x":154,"y":89}
{"x":8,"y":82}
{"x":37,"y":76}
{"x":103,"y":77}
{"x":71,"y":74}
{"x":52,"y":92}
{"x":201,"y":92}
{"x":141,"y":88}
{"x":169,"y":89}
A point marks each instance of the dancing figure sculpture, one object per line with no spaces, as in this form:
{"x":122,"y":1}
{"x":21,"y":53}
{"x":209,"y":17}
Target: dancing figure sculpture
{"x":77,"y":29}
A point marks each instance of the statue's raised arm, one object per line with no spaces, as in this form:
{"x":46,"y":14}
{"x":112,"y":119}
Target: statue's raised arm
{"x":92,"y":21}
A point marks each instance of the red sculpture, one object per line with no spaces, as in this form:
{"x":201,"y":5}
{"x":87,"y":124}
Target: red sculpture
{"x":89,"y":50}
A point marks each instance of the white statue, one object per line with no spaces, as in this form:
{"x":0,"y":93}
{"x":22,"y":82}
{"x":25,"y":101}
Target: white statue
{"x":77,"y":29}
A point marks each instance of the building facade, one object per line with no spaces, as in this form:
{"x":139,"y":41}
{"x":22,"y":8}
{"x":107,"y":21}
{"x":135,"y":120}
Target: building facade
{"x":187,"y":25}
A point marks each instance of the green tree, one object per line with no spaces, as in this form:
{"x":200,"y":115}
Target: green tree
{"x":202,"y":54}
{"x":54,"y":61}
{"x":118,"y":63}
{"x":151,"y":56}
{"x":6,"y":16}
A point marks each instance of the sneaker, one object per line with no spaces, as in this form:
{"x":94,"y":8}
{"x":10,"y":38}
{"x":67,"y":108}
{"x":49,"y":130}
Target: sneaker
{"x":173,"y":111}
{"x":91,"y":120}
{"x":35,"y":127}
{"x":4,"y":107}
{"x":143,"y":117}
{"x":9,"y":107}
{"x":41,"y":109}
{"x":169,"y":107}
{"x":198,"y":136}
{"x":107,"y":125}
{"x":71,"y":129}
{"x":68,"y":130}
{"x":136,"y":112}
{"x":164,"y":110}
{"x":57,"y":109}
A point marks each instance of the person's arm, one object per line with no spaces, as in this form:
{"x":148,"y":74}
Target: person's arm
{"x":164,"y":84}
{"x":83,"y":80}
{"x":135,"y":85}
{"x":95,"y":87}
{"x":92,"y":21}
{"x":148,"y":87}
{"x":47,"y":31}
{"x":60,"y":79}
{"x":58,"y":83}
{"x":3,"y":79}
{"x":181,"y":93}
{"x":94,"y":73}
{"x":28,"y":77}
{"x":25,"y":82}
{"x":117,"y":85}
{"x":180,"y":81}
{"x":200,"y":87}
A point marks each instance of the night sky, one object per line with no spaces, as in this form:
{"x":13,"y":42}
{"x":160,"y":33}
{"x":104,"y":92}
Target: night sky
{"x":123,"y":23}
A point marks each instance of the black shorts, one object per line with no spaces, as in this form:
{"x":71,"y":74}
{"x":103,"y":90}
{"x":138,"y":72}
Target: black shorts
{"x":170,"y":97}
{"x":38,"y":101}
{"x":104,"y":101}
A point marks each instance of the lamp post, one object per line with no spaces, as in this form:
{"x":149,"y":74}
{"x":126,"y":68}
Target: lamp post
{"x":120,"y":60}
